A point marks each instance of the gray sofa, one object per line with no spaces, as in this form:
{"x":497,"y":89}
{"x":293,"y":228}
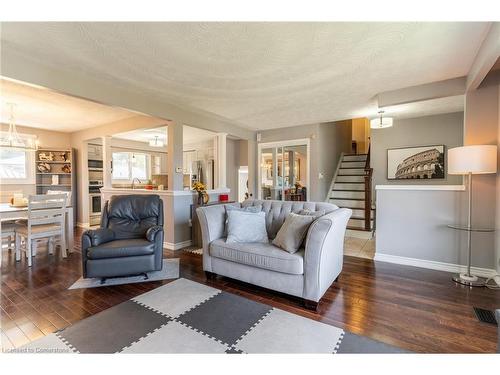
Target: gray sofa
{"x":306,"y":274}
{"x":129,"y":241}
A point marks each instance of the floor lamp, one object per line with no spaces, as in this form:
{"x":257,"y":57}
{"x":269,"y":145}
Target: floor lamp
{"x":470,"y":160}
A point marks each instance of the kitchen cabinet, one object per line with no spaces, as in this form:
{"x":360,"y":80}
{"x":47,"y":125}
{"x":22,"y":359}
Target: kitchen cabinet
{"x":94,"y":152}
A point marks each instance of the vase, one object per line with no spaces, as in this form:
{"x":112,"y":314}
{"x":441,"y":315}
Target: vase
{"x":200,"y":198}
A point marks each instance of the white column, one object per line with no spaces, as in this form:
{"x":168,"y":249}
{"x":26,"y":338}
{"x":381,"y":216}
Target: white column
{"x":175,"y":155}
{"x":220,"y":140}
{"x":107,"y":159}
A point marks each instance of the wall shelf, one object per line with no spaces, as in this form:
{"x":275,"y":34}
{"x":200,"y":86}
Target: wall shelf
{"x":67,"y":180}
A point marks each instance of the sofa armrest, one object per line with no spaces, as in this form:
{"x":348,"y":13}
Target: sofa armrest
{"x":212,"y":222}
{"x":99,"y":236}
{"x":324,"y":252}
{"x":152,"y":232}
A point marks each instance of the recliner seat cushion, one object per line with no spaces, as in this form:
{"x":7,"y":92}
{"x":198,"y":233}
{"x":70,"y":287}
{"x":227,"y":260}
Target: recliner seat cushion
{"x":261,"y":255}
{"x":131,"y":216}
{"x":121,"y":248}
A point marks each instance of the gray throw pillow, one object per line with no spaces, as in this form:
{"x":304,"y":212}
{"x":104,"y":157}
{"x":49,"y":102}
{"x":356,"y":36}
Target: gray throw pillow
{"x":314,"y":214}
{"x":292,"y":232}
{"x":243,"y":226}
{"x":256,"y":208}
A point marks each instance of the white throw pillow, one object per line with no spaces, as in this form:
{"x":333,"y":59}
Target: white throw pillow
{"x":292,"y":232}
{"x":229,"y":207}
{"x":245,"y":226}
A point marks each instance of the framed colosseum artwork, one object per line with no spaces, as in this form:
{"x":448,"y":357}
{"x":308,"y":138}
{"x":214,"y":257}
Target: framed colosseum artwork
{"x":423,"y":162}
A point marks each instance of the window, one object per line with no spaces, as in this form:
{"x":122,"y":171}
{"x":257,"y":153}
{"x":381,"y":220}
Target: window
{"x":130,"y":165}
{"x":16,"y":166}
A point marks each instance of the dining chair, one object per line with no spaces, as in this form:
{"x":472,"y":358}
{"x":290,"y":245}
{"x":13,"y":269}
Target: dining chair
{"x":8,"y":233}
{"x":46,"y":219}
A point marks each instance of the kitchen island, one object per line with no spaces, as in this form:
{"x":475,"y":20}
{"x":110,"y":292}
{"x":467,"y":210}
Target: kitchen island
{"x":176,"y":209}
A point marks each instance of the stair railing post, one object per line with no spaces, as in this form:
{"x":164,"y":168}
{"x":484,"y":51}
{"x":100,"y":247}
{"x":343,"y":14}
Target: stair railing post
{"x":368,"y":191}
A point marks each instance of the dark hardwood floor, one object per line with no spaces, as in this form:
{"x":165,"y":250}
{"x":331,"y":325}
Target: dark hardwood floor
{"x":416,"y":309}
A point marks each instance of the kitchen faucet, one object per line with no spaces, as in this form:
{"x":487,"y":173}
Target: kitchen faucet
{"x":133,"y":182}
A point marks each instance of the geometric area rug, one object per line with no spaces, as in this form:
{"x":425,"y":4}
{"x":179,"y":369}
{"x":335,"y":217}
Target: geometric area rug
{"x":188,"y":317}
{"x":170,"y":270}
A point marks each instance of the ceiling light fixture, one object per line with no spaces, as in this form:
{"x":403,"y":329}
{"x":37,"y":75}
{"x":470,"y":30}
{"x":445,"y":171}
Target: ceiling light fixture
{"x":11,"y":139}
{"x":381,"y":122}
{"x":156,"y":142}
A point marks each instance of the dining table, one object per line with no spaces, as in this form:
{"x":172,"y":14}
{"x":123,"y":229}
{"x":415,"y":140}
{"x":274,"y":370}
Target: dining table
{"x":9,"y":212}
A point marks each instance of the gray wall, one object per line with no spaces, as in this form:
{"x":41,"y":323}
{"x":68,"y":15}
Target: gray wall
{"x":327,"y":141}
{"x":481,"y":128}
{"x":444,"y":129}
{"x":413,"y":224}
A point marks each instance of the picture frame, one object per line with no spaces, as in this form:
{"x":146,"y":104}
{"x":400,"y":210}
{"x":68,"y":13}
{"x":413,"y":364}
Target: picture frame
{"x":416,"y":163}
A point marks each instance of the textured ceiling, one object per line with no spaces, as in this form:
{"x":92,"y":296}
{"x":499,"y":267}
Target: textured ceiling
{"x":190,"y":135}
{"x":45,"y":109}
{"x":262,"y":75}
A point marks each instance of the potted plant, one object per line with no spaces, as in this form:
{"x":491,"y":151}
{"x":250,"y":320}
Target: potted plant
{"x":201,"y":189}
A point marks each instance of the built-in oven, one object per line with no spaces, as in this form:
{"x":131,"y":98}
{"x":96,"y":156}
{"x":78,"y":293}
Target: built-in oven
{"x":95,"y":207}
{"x":96,"y":165}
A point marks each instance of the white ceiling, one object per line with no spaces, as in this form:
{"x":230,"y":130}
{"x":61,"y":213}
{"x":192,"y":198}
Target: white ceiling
{"x":190,"y":135}
{"x":45,"y":109}
{"x":262,"y":75}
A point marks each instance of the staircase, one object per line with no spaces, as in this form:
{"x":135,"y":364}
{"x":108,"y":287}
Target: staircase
{"x":351,"y":188}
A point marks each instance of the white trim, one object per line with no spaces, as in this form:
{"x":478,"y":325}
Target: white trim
{"x":177,"y":245}
{"x":289,"y":142}
{"x":422,"y":187}
{"x":433,"y":265}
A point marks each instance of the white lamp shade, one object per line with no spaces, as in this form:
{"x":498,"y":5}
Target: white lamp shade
{"x":479,"y":159}
{"x":381,"y":123}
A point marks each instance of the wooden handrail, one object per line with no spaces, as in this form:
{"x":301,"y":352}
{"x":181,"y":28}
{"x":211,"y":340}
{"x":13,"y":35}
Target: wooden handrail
{"x":368,"y":190}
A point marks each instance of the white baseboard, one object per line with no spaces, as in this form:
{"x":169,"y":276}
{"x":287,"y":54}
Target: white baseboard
{"x":433,"y":265}
{"x":177,"y":245}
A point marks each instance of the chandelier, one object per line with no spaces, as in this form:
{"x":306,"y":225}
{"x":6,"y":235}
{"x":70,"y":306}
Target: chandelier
{"x":11,"y":139}
{"x":381,"y":122}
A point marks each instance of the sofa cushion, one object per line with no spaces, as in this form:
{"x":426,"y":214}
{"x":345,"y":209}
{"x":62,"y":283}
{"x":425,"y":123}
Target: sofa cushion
{"x":121,"y":248}
{"x":231,"y":207}
{"x":292,"y":232}
{"x":245,"y":226}
{"x":261,"y":255}
{"x":277,"y":211}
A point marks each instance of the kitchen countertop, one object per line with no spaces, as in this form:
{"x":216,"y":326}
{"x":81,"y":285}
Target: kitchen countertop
{"x":161,"y":192}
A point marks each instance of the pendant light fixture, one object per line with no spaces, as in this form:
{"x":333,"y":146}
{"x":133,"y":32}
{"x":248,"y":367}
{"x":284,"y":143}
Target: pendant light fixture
{"x":156,"y":142}
{"x":381,"y":122}
{"x":12,"y":140}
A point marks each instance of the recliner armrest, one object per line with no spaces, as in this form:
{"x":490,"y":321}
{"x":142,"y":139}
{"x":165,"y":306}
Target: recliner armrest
{"x":99,"y":236}
{"x":152,"y":232}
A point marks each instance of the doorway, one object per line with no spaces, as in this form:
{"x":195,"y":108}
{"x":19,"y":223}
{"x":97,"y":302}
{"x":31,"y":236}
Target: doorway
{"x":242,"y":183}
{"x":284,"y":169}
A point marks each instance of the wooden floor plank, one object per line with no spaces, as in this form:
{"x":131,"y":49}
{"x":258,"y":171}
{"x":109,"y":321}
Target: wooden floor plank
{"x":417,"y":309}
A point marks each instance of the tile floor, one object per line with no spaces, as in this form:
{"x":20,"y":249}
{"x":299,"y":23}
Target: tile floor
{"x":359,"y":247}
